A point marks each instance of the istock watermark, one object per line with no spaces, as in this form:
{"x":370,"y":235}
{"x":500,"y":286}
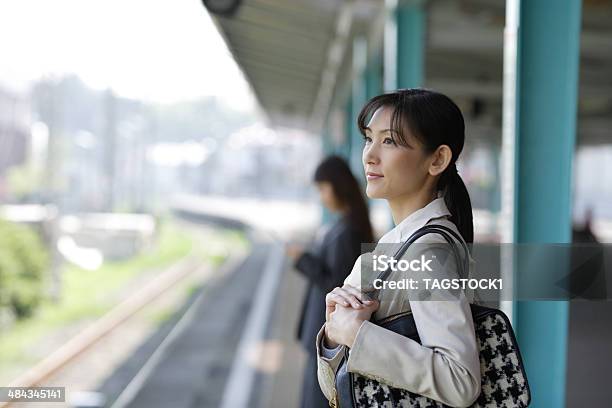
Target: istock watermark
{"x":382,"y":262}
{"x":433,"y":283}
{"x":491,"y":272}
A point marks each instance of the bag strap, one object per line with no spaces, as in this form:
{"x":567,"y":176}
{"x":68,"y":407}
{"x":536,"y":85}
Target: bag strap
{"x":466,"y":251}
{"x":427,"y":229}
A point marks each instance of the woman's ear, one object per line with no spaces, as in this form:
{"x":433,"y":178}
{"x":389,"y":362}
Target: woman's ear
{"x":440,"y":160}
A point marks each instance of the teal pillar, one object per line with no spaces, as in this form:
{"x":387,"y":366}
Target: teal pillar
{"x":374,"y":77}
{"x":357,"y":101}
{"x":348,"y":129}
{"x":410,"y":17}
{"x":327,"y":150}
{"x":327,"y":146}
{"x":336,"y":140}
{"x":547,"y":85}
{"x":495,"y":192}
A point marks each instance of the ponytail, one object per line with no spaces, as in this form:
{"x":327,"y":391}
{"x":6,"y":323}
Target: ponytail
{"x":458,"y":201}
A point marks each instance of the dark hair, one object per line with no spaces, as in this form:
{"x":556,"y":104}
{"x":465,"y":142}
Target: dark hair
{"x":336,"y":171}
{"x":434,"y":120}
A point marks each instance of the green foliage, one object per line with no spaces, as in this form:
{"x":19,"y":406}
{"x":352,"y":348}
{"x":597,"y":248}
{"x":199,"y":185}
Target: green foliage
{"x":23,"y":180}
{"x":23,"y":262}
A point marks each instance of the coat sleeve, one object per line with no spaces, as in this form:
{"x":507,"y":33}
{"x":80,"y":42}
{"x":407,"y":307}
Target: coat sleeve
{"x":446,"y":365}
{"x":328,"y":361}
{"x":327,"y":365}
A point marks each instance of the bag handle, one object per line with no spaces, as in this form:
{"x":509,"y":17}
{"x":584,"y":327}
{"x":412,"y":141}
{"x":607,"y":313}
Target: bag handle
{"x":436,"y":228}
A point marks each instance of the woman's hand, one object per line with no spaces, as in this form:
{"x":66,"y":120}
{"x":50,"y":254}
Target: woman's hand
{"x":345,"y":297}
{"x":294,"y":251}
{"x":344,"y":323}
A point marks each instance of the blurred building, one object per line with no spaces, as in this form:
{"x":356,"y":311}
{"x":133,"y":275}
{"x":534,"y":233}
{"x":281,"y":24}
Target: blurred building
{"x":14,"y":134}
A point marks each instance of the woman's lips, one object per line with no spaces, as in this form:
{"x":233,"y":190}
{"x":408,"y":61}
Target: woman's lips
{"x":374,"y":176}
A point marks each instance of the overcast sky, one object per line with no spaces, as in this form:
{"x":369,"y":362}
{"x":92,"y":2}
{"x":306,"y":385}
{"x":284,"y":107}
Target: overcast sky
{"x":157,"y":50}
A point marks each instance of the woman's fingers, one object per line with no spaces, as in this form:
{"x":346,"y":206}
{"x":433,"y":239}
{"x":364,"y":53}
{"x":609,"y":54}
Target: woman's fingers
{"x":372,"y":305}
{"x":344,"y":297}
{"x":351,"y":298}
{"x":356,"y":292}
{"x":333,"y":298}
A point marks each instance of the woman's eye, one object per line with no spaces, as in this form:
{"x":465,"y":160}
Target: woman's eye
{"x":388,"y":140}
{"x":367,"y":139}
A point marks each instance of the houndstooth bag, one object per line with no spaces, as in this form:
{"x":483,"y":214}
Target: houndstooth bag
{"x":503,"y":379}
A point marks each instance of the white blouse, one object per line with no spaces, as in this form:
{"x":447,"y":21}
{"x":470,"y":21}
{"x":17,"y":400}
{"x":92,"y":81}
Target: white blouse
{"x":446,"y":365}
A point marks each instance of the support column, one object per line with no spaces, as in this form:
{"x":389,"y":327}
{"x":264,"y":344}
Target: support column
{"x":410,"y":44}
{"x":374,"y":77}
{"x":547,"y":87}
{"x":348,"y":128}
{"x":404,"y":53}
{"x":358,"y":99}
{"x":327,"y":146}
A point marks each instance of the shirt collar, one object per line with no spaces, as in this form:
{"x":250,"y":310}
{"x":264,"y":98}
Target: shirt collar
{"x":402,"y":231}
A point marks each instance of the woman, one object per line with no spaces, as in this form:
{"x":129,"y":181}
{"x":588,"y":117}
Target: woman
{"x":328,"y":264}
{"x":412,"y":139}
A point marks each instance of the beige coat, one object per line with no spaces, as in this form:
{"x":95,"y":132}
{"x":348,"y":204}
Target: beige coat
{"x":446,"y":366}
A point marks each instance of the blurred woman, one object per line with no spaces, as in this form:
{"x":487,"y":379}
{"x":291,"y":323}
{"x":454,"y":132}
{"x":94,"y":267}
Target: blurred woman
{"x":329,"y":262}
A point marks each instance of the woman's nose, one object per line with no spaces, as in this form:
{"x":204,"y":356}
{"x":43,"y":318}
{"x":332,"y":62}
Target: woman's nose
{"x":370,"y":154}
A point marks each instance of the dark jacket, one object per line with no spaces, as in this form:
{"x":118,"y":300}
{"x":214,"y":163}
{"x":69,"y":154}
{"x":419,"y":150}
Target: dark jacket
{"x":325,"y":266}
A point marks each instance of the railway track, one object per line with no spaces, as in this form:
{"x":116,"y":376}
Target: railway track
{"x":76,"y":349}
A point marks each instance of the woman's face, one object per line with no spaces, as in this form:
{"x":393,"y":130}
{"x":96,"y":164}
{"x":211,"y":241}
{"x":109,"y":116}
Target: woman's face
{"x":327,"y":196}
{"x":393,"y":171}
